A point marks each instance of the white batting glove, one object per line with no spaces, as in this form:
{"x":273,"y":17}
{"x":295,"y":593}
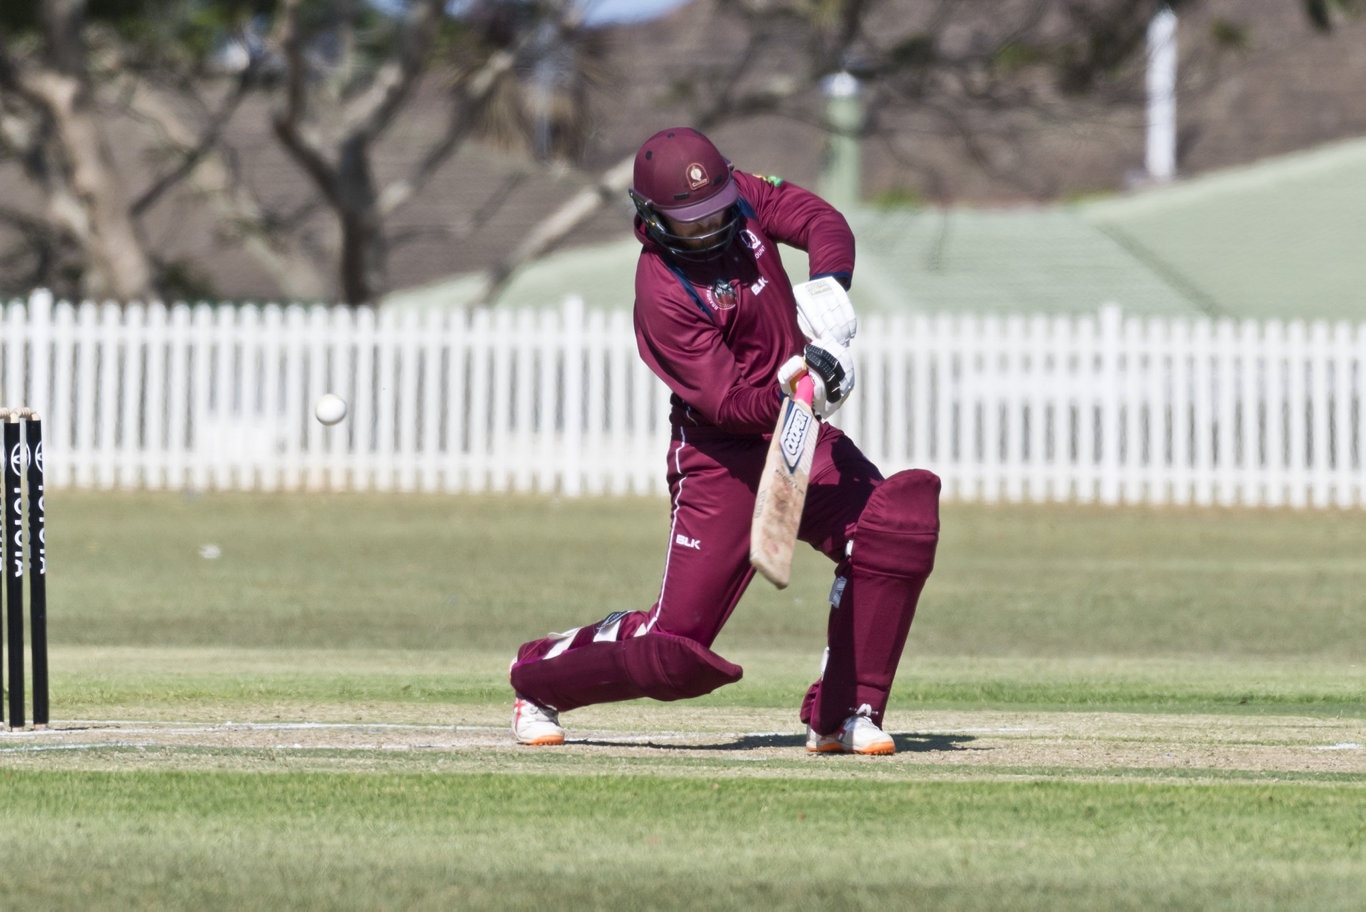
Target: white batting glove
{"x":792,"y":370}
{"x":824,"y":310}
{"x":831,"y":368}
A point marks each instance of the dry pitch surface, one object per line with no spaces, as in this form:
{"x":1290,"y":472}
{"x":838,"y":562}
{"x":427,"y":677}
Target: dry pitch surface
{"x":717,"y":741}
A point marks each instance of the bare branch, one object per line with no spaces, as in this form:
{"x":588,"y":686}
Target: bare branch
{"x":372,"y":112}
{"x":228,"y":198}
{"x":290,"y":122}
{"x":190,"y":151}
{"x":556,"y":227}
{"x":465,"y":112}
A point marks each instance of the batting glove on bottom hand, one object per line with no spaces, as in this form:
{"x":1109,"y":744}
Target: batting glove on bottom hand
{"x":831,"y":367}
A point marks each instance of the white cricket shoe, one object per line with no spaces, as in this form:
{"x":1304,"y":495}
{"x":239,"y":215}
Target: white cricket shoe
{"x":534,"y":724}
{"x":858,"y":735}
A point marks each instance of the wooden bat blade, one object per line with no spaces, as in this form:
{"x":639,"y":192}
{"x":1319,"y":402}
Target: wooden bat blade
{"x":782,"y":488}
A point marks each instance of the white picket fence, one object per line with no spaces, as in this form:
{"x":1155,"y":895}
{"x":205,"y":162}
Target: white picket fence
{"x":1102,"y":408}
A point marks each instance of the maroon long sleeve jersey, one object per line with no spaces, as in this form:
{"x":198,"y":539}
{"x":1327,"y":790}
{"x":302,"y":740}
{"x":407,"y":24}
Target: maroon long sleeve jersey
{"x":717,"y":330}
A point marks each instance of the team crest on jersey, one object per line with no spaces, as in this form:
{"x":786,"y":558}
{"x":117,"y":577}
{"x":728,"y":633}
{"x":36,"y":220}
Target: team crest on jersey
{"x":722,"y":295}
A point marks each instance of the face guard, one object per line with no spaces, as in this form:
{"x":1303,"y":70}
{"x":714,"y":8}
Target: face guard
{"x":687,"y":247}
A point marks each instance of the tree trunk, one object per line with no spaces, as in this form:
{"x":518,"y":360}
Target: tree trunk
{"x":84,"y":192}
{"x":119,"y":267}
{"x":364,"y":266}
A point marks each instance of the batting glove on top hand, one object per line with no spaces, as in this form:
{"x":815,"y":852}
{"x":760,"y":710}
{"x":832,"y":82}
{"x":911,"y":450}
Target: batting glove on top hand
{"x":831,"y":368}
{"x":824,"y":310}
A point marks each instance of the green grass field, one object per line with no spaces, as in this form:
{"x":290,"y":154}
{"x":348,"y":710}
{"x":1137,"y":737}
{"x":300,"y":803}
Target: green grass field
{"x":1098,"y":710}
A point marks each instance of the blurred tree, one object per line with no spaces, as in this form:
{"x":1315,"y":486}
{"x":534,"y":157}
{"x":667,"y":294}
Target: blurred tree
{"x":337,"y":75}
{"x":72,"y":71}
{"x":49,"y":119}
{"x":1325,"y":13}
{"x":508,"y":71}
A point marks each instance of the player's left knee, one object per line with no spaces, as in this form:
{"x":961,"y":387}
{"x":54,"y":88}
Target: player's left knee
{"x":898,"y":530}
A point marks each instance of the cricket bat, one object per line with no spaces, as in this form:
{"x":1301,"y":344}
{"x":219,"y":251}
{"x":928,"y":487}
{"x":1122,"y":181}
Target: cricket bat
{"x":782,"y":487}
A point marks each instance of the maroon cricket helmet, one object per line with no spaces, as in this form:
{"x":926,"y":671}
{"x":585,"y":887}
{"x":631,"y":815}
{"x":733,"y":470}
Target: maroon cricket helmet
{"x":681,"y":174}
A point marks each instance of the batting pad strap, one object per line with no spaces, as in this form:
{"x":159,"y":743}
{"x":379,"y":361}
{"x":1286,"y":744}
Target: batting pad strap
{"x":898,"y":529}
{"x":660,"y":666}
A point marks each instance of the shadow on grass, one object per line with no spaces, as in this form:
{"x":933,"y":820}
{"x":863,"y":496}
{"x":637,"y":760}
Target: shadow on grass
{"x":911,"y":744}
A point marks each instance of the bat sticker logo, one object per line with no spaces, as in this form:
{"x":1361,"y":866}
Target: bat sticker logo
{"x":796,"y":425}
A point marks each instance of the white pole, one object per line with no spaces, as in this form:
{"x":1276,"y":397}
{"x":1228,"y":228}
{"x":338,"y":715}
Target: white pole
{"x":1161,"y":84}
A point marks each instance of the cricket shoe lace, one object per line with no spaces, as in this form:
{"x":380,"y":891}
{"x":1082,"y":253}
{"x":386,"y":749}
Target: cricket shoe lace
{"x":857,"y":735}
{"x":535,"y":724}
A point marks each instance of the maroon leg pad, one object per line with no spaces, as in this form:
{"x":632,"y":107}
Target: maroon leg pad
{"x":660,"y":666}
{"x":894,"y":548}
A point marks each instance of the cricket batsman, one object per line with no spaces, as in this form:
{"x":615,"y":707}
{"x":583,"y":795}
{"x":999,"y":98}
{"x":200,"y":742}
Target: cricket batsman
{"x":717,"y":320}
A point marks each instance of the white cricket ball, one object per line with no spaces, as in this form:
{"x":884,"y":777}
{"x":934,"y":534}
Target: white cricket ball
{"x":330,"y":409}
